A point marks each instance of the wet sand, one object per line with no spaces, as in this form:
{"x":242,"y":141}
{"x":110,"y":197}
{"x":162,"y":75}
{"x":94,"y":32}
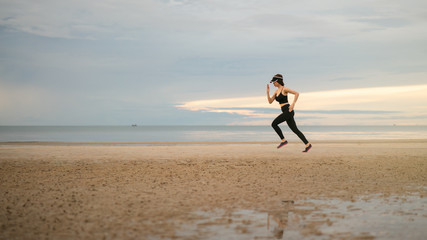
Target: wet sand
{"x":156,"y":191}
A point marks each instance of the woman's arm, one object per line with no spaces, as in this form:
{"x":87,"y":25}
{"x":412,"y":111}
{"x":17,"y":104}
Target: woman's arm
{"x":291,"y":107}
{"x":270,"y":99}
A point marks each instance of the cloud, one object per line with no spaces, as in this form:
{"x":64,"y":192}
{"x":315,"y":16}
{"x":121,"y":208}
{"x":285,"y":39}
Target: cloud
{"x":79,"y":19}
{"x":212,"y":32}
{"x":132,"y":19}
{"x":377,"y":105}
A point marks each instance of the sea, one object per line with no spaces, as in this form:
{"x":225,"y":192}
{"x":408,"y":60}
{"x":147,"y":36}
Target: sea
{"x":202,"y":133}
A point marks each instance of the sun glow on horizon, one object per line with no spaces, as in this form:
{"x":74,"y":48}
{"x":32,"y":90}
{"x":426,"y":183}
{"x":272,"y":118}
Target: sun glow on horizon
{"x":378,"y":105}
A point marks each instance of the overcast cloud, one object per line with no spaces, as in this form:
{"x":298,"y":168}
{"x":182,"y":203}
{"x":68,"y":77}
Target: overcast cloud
{"x":123,"y":62}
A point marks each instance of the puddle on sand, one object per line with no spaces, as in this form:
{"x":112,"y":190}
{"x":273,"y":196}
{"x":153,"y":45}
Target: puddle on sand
{"x":364,"y":218}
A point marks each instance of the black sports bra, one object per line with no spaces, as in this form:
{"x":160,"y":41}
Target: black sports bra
{"x":282,"y":98}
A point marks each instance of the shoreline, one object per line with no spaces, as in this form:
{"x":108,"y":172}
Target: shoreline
{"x":349,"y":141}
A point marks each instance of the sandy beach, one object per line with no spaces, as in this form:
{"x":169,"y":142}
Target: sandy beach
{"x":174,"y":190}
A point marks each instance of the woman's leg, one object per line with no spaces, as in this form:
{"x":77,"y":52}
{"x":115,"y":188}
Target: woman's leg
{"x":275,"y":124}
{"x":293,"y":126}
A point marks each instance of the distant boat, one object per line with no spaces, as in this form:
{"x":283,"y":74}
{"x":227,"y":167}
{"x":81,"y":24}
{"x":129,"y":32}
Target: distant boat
{"x":134,"y":125}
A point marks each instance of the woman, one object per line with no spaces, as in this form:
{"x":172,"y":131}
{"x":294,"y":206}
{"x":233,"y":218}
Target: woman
{"x":281,"y":95}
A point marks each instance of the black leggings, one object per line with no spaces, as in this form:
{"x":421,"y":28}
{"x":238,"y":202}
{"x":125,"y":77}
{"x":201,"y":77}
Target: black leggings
{"x":289,"y":118}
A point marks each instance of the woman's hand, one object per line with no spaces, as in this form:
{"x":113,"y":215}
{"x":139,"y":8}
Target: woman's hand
{"x":291,"y":107}
{"x":270,"y":99}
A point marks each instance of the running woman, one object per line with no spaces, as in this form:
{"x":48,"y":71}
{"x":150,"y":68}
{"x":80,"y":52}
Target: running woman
{"x":281,"y":95}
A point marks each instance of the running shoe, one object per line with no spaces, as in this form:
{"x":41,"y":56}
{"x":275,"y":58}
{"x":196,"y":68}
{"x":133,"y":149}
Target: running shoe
{"x":307,"y":148}
{"x":282,"y":144}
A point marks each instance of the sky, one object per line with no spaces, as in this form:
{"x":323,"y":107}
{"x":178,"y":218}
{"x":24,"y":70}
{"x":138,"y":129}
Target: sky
{"x":206,"y":62}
